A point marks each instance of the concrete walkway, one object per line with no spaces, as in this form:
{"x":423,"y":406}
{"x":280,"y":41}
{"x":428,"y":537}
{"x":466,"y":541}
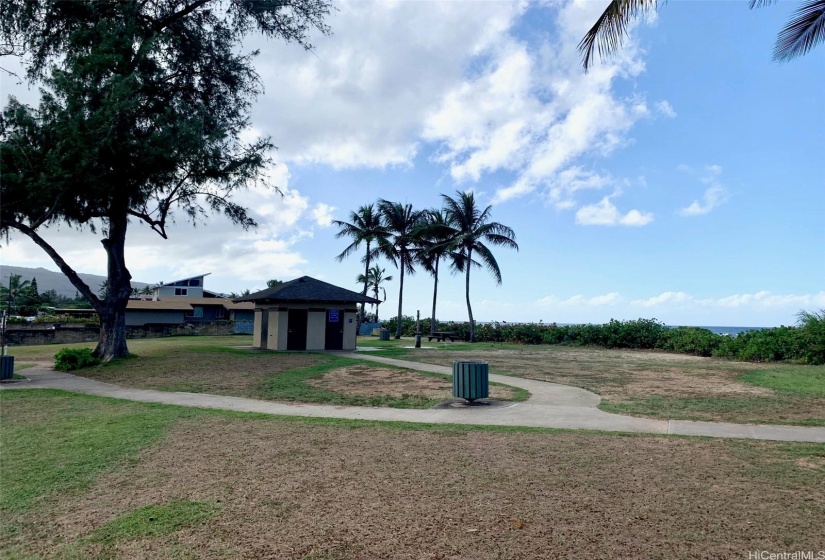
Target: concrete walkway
{"x":550,"y":406}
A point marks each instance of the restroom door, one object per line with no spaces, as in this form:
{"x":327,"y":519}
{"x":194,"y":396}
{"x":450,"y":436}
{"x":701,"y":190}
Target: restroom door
{"x":296,"y":338}
{"x":334,"y":339}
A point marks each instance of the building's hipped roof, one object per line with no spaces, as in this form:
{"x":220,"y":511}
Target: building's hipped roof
{"x":306,"y":289}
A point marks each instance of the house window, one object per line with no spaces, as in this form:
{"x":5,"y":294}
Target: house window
{"x":219,"y":313}
{"x":195,"y":282}
{"x":181,"y":291}
{"x":197,"y":312}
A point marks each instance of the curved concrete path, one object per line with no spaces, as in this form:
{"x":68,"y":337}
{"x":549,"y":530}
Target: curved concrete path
{"x":550,"y":406}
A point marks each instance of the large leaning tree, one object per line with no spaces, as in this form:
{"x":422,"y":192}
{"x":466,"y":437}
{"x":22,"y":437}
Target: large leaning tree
{"x":140,"y":119}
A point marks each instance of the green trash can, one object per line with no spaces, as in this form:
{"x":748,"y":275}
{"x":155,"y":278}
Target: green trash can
{"x":471,"y":380}
{"x":385,"y":334}
{"x":6,"y":367}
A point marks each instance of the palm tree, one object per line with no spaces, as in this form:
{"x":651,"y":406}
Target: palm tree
{"x":16,"y":288}
{"x":375,"y":276}
{"x":436,"y":237}
{"x":364,"y":226}
{"x":473,"y":228}
{"x":802,"y":33}
{"x":398,"y":244}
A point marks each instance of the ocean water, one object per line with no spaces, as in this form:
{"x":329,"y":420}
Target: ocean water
{"x":731,"y":331}
{"x":727,"y":331}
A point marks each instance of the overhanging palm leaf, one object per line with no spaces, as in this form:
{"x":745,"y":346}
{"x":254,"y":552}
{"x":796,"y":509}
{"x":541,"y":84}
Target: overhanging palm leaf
{"x":802,"y":33}
{"x":609,"y":31}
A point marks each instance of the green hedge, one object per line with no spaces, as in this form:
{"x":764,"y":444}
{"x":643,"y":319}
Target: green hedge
{"x":804,"y":343}
{"x":70,"y":359}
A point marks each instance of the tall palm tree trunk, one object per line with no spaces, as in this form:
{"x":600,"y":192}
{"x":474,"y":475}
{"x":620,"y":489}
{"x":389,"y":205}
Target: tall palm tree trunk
{"x":467,"y":291}
{"x":366,"y":284}
{"x":375,"y":291}
{"x":435,"y":296}
{"x":400,"y":296}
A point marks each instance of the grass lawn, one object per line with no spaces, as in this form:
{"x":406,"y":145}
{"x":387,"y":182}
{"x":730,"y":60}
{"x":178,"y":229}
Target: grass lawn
{"x":215,"y":365}
{"x":87,"y":477}
{"x":647,"y":383}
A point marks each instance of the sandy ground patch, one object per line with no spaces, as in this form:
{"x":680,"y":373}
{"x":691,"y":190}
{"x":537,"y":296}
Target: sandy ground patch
{"x":374,"y":381}
{"x":296,"y":490}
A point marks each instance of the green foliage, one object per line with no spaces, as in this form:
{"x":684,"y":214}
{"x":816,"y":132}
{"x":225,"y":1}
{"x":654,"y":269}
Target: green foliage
{"x":812,"y":335}
{"x":70,"y":359}
{"x":804,"y":343}
{"x":54,"y":441}
{"x":156,"y":520}
{"x":691,"y":340}
{"x":789,"y":379}
{"x":140,"y":119}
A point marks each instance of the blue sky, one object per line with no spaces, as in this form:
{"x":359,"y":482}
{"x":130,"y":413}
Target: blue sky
{"x":681,"y":180}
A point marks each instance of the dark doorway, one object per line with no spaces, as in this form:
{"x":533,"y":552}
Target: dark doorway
{"x":334,"y":339}
{"x":264,"y":327}
{"x":296,"y":337}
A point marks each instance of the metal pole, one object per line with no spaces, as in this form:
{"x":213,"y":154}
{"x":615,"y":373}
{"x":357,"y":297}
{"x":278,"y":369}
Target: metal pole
{"x":9,"y":312}
{"x":418,"y":329}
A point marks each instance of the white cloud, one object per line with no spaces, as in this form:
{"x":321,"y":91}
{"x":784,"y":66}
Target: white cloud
{"x":360,"y":98}
{"x":665,"y":109}
{"x":713,"y":196}
{"x":763,"y":299}
{"x":663,"y":298}
{"x":323,"y":214}
{"x":456,"y":75}
{"x":604,"y":213}
{"x":613,"y":298}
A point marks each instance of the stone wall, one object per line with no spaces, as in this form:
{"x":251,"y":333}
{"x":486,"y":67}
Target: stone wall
{"x":68,"y":334}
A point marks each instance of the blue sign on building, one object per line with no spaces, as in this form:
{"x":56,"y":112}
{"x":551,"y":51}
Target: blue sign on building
{"x":333,"y":316}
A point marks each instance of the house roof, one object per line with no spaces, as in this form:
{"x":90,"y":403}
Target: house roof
{"x":225,"y":302}
{"x":158,"y":305}
{"x":178,"y":303}
{"x":306,"y":289}
{"x":181,"y":280}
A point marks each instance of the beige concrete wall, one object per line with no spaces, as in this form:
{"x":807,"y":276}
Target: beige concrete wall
{"x":283,"y":331}
{"x":316,"y":327}
{"x":256,"y":329}
{"x":349,"y":330}
{"x":273,"y":329}
{"x":316,"y":330}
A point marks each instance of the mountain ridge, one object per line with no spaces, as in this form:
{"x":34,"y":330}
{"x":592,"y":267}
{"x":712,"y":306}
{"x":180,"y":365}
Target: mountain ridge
{"x":57,"y":281}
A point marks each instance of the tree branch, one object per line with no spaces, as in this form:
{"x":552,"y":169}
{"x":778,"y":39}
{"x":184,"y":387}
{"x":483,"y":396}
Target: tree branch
{"x":81,"y":286}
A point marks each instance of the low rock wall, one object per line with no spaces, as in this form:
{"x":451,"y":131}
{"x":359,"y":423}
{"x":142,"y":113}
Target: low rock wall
{"x":68,"y":334}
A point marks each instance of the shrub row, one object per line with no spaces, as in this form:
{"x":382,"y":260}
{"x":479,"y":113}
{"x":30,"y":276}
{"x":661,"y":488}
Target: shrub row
{"x":805,"y":342}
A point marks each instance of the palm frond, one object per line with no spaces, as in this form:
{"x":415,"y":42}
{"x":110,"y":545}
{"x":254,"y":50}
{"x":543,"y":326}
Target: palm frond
{"x":761,"y":3}
{"x":489,"y":261}
{"x":609,"y":31}
{"x":802,"y":33}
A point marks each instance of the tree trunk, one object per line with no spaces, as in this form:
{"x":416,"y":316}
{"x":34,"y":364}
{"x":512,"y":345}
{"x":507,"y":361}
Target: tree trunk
{"x":377,"y":304}
{"x":467,"y":291}
{"x":112,"y":341}
{"x":366,"y":284}
{"x":435,"y":296}
{"x":400,"y":296}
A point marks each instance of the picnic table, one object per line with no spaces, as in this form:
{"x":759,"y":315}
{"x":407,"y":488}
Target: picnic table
{"x":442,"y":336}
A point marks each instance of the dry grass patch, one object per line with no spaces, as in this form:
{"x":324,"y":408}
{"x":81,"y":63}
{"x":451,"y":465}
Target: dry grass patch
{"x":371,"y":381}
{"x":645,"y":383}
{"x":313,"y":490}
